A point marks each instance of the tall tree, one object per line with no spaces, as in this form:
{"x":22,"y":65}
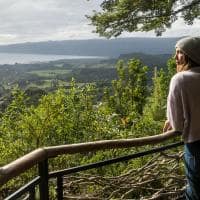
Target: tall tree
{"x":117,"y":16}
{"x":129,"y":91}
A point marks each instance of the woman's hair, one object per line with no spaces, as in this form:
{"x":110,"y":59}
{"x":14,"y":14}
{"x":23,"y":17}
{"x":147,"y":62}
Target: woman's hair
{"x":188,"y":65}
{"x":191,"y":49}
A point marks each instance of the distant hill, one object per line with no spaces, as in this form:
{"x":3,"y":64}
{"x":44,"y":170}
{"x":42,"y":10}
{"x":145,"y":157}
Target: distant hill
{"x":95,"y":47}
{"x":158,"y":60}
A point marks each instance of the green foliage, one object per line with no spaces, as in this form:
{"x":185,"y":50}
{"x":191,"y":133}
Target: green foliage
{"x":155,"y":108}
{"x":128,"y":95}
{"x":62,"y":117}
{"x":11,"y":132}
{"x":75,"y":115}
{"x":117,"y":16}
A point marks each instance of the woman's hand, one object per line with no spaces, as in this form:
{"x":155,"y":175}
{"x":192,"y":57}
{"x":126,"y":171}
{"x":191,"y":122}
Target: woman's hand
{"x":167,"y":126}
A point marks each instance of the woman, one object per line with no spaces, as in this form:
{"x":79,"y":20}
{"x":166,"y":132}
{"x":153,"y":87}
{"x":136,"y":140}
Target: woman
{"x":183,"y":109}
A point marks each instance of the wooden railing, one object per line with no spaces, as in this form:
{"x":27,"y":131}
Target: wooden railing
{"x":40,"y":157}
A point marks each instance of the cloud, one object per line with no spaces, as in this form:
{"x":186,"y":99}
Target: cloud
{"x":33,"y":20}
{"x":178,"y":29}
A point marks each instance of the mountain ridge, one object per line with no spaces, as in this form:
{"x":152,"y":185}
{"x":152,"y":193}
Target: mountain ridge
{"x":95,"y":47}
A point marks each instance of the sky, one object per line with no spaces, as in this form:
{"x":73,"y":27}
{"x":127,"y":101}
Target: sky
{"x":44,"y":20}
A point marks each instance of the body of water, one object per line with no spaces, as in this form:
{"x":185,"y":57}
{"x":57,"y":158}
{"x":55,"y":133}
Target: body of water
{"x":12,"y":58}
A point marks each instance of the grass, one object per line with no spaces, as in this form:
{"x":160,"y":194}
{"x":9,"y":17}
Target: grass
{"x":47,"y":84}
{"x":50,"y":73}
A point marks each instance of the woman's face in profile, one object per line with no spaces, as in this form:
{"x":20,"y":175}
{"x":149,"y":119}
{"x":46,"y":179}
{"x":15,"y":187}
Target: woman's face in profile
{"x":180,"y":57}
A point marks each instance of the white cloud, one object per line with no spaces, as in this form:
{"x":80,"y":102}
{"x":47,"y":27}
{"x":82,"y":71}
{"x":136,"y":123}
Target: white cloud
{"x":178,"y":29}
{"x":37,"y":20}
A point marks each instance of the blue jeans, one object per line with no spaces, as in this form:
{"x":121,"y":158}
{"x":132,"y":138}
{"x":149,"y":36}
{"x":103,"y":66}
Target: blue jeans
{"x":192,"y":169}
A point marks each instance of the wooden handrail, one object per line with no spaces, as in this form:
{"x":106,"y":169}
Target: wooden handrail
{"x":108,"y":144}
{"x":24,"y":163}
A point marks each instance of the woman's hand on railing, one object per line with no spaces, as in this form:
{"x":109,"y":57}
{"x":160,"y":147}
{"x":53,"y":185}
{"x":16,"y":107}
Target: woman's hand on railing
{"x":167,"y":126}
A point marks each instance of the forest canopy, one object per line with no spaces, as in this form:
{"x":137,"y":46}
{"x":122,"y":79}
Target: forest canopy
{"x":117,"y":16}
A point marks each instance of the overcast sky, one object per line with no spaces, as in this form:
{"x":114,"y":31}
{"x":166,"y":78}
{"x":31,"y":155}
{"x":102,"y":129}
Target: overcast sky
{"x":42,"y":20}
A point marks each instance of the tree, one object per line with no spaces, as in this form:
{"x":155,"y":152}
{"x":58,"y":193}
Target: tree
{"x":154,"y":113}
{"x":156,"y":104}
{"x":142,"y":15}
{"x":129,"y":91}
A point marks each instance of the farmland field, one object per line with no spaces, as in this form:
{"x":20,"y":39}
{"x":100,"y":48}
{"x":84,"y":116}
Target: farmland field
{"x":50,"y":73}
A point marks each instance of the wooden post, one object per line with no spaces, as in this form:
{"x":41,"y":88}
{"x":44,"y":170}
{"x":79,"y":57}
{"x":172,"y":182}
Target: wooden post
{"x":43,"y":173}
{"x":60,"y":188}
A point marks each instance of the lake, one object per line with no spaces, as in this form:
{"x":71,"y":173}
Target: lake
{"x":12,"y":58}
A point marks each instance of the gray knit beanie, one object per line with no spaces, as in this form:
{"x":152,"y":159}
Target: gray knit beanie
{"x":191,"y":47}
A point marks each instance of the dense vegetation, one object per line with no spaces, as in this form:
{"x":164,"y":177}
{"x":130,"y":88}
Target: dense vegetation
{"x":129,"y":107}
{"x":37,"y":79}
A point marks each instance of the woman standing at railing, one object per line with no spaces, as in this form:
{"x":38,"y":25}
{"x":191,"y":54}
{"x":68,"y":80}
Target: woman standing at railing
{"x":183,"y":108}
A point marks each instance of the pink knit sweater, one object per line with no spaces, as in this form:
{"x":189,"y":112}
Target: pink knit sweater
{"x":183,"y":105}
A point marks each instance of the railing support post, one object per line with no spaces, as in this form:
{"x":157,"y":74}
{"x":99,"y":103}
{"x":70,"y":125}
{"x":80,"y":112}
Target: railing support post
{"x":43,"y":173}
{"x":32,"y":194}
{"x":59,"y":188}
